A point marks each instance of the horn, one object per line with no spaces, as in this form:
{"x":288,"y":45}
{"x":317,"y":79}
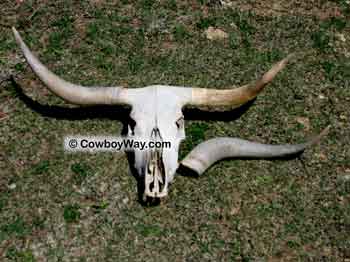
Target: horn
{"x":72,"y":93}
{"x":237,"y":96}
{"x":207,"y":153}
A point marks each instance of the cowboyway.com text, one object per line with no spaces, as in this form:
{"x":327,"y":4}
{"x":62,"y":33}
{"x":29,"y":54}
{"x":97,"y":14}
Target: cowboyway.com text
{"x":95,"y":143}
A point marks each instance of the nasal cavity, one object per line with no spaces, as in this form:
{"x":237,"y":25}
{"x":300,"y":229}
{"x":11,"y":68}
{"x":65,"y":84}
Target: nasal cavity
{"x":155,"y":180}
{"x":155,"y":134}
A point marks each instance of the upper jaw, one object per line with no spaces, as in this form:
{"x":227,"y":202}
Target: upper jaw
{"x":156,"y":180}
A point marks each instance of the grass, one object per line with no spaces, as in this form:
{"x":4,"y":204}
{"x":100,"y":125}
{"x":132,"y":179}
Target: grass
{"x":71,"y":213}
{"x":56,"y":206}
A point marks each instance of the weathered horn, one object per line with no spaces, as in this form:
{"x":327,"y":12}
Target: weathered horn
{"x":72,"y":93}
{"x":207,"y":153}
{"x":237,"y":96}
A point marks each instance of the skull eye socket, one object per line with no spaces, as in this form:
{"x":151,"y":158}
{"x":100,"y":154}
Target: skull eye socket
{"x":132,"y":124}
{"x":180,"y":122}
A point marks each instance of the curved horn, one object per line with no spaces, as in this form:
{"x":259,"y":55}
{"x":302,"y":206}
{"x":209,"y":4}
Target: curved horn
{"x":213,"y":150}
{"x":72,"y":93}
{"x":238,"y":96}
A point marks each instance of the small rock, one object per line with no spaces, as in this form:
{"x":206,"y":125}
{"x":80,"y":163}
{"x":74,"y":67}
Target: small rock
{"x":103,"y":187}
{"x":322,"y":156}
{"x":340,"y":37}
{"x":12,"y":186}
{"x":226,"y":3}
{"x":234,"y":26}
{"x":327,"y":251}
{"x":304,"y":121}
{"x":234,"y":211}
{"x":125,"y":200}
{"x":346,"y":177}
{"x":343,"y":117}
{"x":277,"y":6}
{"x":215,"y":34}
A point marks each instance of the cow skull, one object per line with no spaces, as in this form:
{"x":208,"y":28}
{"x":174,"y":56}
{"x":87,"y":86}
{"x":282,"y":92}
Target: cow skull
{"x":157,"y":114}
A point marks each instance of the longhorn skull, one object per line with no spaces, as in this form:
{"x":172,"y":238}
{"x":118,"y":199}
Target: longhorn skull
{"x":157,"y":114}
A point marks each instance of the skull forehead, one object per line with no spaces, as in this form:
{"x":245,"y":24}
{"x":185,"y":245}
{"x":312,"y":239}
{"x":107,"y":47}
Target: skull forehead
{"x":157,"y":101}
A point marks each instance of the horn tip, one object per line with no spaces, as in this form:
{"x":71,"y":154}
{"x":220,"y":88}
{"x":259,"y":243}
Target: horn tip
{"x":287,"y":59}
{"x":14,"y":30}
{"x":17,"y":35}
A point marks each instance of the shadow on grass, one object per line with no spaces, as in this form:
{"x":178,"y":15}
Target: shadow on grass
{"x":120,"y":113}
{"x":223,"y":116}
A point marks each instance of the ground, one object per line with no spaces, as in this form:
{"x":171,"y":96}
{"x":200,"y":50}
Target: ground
{"x":56,"y":206}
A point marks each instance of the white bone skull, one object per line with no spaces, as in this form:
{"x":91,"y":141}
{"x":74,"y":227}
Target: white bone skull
{"x":157,"y":115}
{"x":159,"y":119}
